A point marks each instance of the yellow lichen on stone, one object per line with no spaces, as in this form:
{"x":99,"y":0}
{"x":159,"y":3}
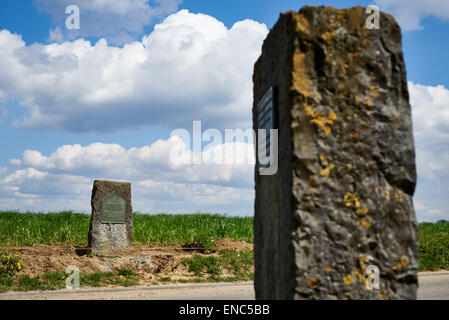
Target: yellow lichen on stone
{"x":301,"y":82}
{"x":368,"y":101}
{"x":404,"y":261}
{"x":347,"y":280}
{"x":312,"y":282}
{"x":321,"y":121}
{"x":359,"y":275}
{"x":362,"y":260}
{"x":302,"y":24}
{"x":387,"y":194}
{"x":350,"y":199}
{"x":326,"y":171}
{"x":374,"y":91}
{"x":365,"y":223}
{"x":363,"y":211}
{"x":383,"y":295}
{"x":328,"y":36}
{"x":310,"y":112}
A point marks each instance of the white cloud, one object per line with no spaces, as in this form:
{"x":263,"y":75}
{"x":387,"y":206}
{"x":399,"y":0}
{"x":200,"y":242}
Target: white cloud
{"x":119,"y":21}
{"x":114,"y":161}
{"x":409,"y":13}
{"x":430,"y":109}
{"x":158,"y":184}
{"x":431,"y":129}
{"x":191,"y":67}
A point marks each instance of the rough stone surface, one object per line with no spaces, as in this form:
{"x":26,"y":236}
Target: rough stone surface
{"x":108,"y":236}
{"x":342,"y":197}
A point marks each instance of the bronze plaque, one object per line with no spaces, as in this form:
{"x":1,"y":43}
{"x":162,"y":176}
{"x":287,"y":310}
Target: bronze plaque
{"x":113,"y":209}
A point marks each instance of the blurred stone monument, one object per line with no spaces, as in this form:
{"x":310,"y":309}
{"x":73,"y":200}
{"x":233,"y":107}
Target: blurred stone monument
{"x":336,"y":221}
{"x":111,"y":225}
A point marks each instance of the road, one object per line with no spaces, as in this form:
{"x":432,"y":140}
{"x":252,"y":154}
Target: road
{"x":432,"y":286}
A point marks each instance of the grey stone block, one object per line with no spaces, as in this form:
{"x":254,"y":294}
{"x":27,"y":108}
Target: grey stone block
{"x":342,"y":197}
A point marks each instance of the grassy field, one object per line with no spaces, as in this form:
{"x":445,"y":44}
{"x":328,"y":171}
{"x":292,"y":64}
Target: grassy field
{"x":434,"y":246}
{"x":72,"y":228}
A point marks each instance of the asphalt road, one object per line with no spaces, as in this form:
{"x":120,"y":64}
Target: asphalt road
{"x":431,"y":286}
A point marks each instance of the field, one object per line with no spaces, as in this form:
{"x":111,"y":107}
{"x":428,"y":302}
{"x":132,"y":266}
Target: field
{"x":166,"y":249}
{"x":434,"y":246}
{"x":223,"y":250}
{"x":72,"y":228}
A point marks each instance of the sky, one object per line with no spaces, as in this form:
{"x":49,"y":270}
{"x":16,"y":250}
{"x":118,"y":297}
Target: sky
{"x":102,"y":101}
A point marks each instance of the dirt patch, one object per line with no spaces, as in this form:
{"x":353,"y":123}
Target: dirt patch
{"x":233,"y":245}
{"x":145,"y":260}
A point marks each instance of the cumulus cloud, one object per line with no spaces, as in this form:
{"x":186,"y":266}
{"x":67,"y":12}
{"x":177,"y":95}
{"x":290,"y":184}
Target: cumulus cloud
{"x":431,"y":129}
{"x":159,"y":161}
{"x":430,"y":107}
{"x":191,"y":67}
{"x":409,"y":13}
{"x":118,"y":21}
{"x":158,"y":183}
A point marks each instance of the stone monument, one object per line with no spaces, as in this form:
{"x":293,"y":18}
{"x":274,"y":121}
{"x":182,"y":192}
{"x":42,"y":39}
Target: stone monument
{"x":111,"y":224}
{"x":340,"y":204}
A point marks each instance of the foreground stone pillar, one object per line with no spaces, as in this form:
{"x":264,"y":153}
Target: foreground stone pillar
{"x":111,"y":225}
{"x":341,"y":200}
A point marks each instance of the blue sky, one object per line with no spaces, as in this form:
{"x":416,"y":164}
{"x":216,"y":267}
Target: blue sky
{"x":74,"y":108}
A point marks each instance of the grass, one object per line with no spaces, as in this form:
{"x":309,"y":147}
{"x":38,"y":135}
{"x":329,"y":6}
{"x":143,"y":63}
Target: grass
{"x":122,"y":278}
{"x":56,"y":280}
{"x":239,"y":263}
{"x":48,"y":281}
{"x":72,"y":228}
{"x":199,"y":263}
{"x":434,"y":246}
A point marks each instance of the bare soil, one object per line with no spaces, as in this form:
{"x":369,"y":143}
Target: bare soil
{"x":151,"y":262}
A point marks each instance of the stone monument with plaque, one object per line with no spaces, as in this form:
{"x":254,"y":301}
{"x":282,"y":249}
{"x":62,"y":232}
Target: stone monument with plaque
{"x":336,"y":220}
{"x":111,"y":223}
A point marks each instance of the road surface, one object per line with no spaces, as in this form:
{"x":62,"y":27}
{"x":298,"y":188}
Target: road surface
{"x":432,"y":286}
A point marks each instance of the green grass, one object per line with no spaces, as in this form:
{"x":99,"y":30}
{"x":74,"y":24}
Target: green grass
{"x":72,"y":228}
{"x":434,"y":246}
{"x":57,"y":280}
{"x":239,"y":263}
{"x":183,"y":229}
{"x":122,"y":278}
{"x":48,"y":281}
{"x":198,"y":264}
{"x":32,"y":228}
